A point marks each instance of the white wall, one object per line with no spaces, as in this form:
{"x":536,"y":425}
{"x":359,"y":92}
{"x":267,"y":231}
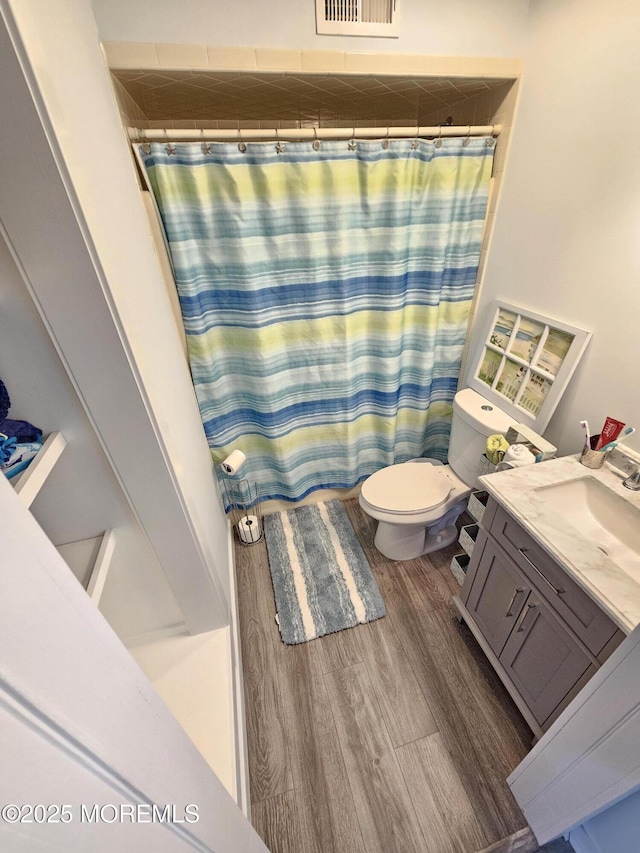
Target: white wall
{"x":436,"y":27}
{"x":566,"y":235}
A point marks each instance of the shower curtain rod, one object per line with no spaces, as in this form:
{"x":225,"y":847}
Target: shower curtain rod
{"x":252,"y":134}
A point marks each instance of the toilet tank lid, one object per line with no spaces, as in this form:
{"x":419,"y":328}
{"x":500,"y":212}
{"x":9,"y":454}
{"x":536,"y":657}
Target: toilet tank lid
{"x":483,"y":416}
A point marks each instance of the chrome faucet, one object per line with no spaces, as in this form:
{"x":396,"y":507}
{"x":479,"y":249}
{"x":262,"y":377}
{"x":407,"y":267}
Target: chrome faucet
{"x":633,"y":481}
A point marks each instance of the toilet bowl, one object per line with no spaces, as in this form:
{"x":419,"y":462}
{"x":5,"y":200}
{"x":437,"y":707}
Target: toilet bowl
{"x":417,"y":503}
{"x":416,"y":506}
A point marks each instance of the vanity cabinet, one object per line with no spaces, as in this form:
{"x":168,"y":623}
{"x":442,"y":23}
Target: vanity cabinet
{"x":543,"y":634}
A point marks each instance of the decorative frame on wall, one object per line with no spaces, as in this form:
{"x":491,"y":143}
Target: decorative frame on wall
{"x":525,"y":361}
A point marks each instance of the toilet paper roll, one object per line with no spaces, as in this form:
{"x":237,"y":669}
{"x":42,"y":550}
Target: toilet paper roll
{"x":249,"y":529}
{"x":234,"y":461}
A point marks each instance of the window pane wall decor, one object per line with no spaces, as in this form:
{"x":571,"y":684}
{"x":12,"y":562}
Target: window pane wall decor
{"x":525,"y":362}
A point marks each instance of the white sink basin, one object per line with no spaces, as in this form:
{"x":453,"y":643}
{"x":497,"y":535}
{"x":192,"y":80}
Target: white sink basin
{"x":601,"y":517}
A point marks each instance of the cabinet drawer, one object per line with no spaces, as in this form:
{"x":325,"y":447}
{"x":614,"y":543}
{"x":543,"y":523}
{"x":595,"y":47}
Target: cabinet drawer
{"x":561,"y":592}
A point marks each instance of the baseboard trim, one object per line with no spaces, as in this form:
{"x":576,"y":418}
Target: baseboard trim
{"x":243,"y":797}
{"x":523,"y":841}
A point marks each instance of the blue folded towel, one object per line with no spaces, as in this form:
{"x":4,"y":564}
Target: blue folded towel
{"x":15,"y":457}
{"x":19,"y":440}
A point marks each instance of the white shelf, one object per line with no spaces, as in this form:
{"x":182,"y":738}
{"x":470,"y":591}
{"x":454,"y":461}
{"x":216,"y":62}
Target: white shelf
{"x":89,"y":560}
{"x":29,"y":483}
{"x":193,"y":676}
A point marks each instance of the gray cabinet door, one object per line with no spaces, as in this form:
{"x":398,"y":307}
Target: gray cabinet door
{"x":542,"y":659}
{"x":498,"y":594}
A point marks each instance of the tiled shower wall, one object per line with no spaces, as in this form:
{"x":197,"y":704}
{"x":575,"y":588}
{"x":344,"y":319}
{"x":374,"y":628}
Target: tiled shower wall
{"x":130,"y":113}
{"x":376,"y":88}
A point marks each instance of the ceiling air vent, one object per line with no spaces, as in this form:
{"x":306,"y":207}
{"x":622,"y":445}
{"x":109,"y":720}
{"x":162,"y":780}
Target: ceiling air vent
{"x":357,"y":17}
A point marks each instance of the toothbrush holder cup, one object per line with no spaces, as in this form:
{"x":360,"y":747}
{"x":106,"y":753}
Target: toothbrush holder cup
{"x":593,"y":458}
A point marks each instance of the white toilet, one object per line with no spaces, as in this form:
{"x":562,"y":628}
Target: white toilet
{"x":417,"y":503}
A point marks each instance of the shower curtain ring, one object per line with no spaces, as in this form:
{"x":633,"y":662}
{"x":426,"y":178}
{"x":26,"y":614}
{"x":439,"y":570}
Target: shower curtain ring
{"x":439,"y":139}
{"x":241,"y":145}
{"x":352,"y":142}
{"x":491,"y":139}
{"x":385,"y":141}
{"x":416,"y":142}
{"x":146,"y":146}
{"x":169,"y":148}
{"x":316,"y":141}
{"x":467,"y":138}
{"x":279,"y":145}
{"x":206,"y":147}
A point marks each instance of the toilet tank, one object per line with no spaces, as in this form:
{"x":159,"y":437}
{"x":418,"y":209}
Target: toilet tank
{"x":474,"y":418}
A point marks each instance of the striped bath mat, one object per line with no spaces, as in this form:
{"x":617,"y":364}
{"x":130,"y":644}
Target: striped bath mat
{"x":321,"y":578}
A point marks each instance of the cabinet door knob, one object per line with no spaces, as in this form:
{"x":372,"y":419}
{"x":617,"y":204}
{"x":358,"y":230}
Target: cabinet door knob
{"x":523,"y":616}
{"x":523,"y":551}
{"x":511,"y":603}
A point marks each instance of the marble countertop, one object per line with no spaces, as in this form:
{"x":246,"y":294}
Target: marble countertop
{"x":616,"y":592}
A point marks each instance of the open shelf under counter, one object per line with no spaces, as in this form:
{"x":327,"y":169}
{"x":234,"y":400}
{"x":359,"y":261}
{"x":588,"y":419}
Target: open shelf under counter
{"x":89,"y":560}
{"x":30,"y":481}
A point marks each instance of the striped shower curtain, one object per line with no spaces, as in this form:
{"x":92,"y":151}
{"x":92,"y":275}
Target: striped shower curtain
{"x":325,"y":296}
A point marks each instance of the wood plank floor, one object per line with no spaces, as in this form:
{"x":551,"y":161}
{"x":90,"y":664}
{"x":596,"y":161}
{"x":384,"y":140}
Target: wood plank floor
{"x":391,"y":736}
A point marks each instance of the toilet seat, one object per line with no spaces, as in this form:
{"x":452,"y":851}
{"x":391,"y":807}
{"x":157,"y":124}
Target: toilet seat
{"x":407,"y":488}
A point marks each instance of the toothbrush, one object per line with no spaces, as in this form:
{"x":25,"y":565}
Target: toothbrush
{"x":587,"y":436}
{"x":623,"y":436}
